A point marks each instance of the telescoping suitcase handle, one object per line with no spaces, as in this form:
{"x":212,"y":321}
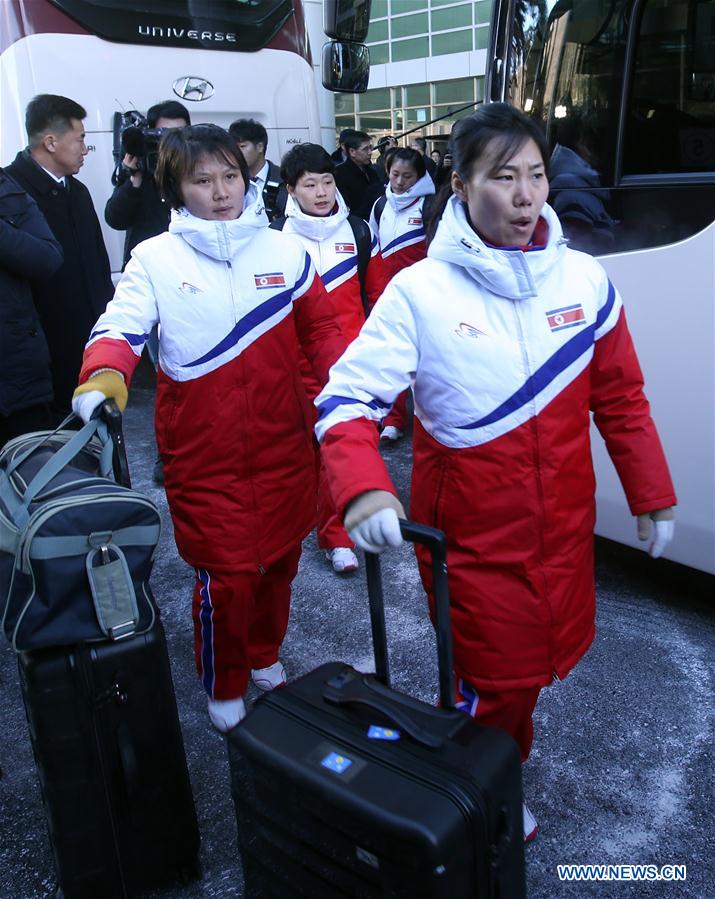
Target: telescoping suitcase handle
{"x":110,"y":413}
{"x":436,"y":542}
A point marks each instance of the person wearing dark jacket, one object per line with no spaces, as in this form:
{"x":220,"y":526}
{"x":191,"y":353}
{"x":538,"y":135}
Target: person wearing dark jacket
{"x":340,"y":154}
{"x":252,"y":139}
{"x":71,"y":302}
{"x":358,"y":182}
{"x":135,"y":206}
{"x":420,"y":144}
{"x":380,"y":164}
{"x":28,"y":252}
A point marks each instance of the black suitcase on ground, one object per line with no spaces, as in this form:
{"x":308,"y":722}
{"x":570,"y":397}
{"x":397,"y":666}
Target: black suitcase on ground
{"x":345,"y":788}
{"x":110,"y":757}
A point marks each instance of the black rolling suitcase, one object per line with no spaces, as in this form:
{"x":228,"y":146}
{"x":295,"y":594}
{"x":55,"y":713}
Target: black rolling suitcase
{"x":346,"y":788}
{"x":110,"y":757}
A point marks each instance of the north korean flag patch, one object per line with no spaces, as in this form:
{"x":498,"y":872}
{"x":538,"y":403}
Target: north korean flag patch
{"x":347,"y":249}
{"x":415,"y":220}
{"x":566,"y":317}
{"x":270,"y":279}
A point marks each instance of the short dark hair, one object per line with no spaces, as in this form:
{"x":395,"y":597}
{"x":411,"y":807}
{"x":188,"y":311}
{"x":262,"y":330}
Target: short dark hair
{"x":180,"y":150}
{"x":411,"y":157}
{"x":387,"y":156}
{"x":50,"y":112}
{"x":498,"y":126}
{"x":344,"y":134}
{"x":250,"y":130}
{"x":305,"y":158}
{"x":355,"y":138}
{"x":167,"y":109}
{"x":507,"y":126}
{"x":421,"y":143}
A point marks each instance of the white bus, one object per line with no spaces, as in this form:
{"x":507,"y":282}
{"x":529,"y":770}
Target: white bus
{"x":223,"y":59}
{"x":625,"y":90}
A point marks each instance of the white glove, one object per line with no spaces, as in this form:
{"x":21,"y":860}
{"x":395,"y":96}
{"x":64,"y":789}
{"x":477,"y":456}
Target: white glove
{"x":372,"y":520}
{"x":376,"y":533}
{"x":84,"y":404}
{"x":659,"y":527}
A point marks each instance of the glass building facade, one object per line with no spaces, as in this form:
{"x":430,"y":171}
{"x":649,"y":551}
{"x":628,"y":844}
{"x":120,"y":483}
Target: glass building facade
{"x":427,"y":60}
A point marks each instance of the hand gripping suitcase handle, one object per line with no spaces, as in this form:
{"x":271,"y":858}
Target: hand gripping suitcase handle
{"x":110,"y":414}
{"x":436,"y":542}
{"x":107,"y":425}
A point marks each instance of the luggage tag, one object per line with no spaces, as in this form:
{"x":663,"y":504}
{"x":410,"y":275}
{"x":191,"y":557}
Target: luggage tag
{"x":382,"y":733}
{"x":113,"y":593}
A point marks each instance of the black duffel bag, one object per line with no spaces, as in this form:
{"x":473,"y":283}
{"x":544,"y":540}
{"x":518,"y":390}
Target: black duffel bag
{"x":76,"y":547}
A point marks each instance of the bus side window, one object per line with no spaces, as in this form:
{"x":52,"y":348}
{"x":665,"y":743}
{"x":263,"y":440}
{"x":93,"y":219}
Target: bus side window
{"x":671,"y":115}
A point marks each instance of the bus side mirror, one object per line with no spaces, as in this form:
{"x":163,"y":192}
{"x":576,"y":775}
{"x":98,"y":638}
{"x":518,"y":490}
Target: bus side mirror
{"x":346,"y":67}
{"x":346,"y":20}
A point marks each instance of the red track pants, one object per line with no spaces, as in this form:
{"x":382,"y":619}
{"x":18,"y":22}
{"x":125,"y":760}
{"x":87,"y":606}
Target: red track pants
{"x":240,"y":620}
{"x":511,"y":710}
{"x":397,"y":416}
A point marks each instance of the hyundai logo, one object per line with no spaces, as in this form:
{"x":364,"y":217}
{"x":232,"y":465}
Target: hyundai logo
{"x":192,"y":88}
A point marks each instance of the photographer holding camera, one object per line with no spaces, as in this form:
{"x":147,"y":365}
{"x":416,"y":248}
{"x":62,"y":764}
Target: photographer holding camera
{"x":135,"y":206}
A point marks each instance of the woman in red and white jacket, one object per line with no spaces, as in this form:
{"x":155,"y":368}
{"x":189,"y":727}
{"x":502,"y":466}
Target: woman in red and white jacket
{"x":234,"y":300}
{"x":510,"y":340}
{"x":345,"y":254}
{"x":398,"y":220}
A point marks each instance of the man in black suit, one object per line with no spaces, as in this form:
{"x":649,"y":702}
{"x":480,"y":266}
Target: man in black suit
{"x":340,"y":154}
{"x":252,"y":140}
{"x":71,"y":302}
{"x":358,"y":182}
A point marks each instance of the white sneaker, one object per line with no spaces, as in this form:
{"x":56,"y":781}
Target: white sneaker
{"x":531,"y":825}
{"x":226,"y":713}
{"x":342,"y":558}
{"x":391,"y":433}
{"x":269,"y":678}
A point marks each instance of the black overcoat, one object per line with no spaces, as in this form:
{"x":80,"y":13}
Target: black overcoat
{"x":359,"y":187}
{"x":28,"y":252}
{"x":73,"y":299}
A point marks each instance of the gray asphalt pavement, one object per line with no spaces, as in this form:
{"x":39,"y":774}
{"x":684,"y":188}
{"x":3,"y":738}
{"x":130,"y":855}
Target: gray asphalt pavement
{"x":621,"y":772}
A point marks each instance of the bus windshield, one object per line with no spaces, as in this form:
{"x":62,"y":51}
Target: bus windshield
{"x":212,"y":24}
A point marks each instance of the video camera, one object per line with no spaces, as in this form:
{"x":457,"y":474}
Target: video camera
{"x":133,"y":135}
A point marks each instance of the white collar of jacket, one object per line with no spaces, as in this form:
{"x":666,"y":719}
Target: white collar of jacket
{"x":315,"y":227}
{"x":508,"y":273}
{"x":221,"y":240}
{"x":422,"y":188}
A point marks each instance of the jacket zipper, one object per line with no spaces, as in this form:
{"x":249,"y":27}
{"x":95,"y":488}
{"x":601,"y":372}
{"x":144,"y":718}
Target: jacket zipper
{"x":260,"y":567}
{"x":229,"y":269}
{"x":534,"y":425}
